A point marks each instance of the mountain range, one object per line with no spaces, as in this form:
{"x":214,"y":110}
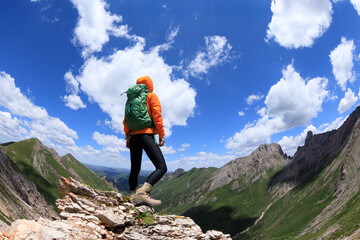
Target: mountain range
{"x":266,"y":195}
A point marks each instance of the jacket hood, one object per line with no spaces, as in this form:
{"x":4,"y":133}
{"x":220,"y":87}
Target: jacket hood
{"x":147,"y":81}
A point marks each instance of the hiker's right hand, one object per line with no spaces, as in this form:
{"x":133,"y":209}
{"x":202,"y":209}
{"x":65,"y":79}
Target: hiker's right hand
{"x":161,"y":141}
{"x":128,"y":143}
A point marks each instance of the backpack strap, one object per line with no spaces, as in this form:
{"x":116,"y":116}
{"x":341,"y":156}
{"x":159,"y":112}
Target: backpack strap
{"x":128,"y":135}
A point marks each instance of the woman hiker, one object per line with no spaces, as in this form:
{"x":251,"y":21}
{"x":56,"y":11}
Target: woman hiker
{"x":144,"y":139}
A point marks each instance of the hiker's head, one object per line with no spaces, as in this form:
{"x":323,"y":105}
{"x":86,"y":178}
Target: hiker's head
{"x":147,"y":81}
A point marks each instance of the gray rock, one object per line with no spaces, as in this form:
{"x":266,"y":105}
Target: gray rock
{"x":109,"y":219}
{"x":112,"y":221}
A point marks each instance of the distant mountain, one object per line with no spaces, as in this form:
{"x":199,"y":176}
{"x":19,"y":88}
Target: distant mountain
{"x":315,"y":195}
{"x":228,"y":199}
{"x":44,"y":167}
{"x":118,"y":177}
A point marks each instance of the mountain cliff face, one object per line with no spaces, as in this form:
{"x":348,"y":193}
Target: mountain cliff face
{"x":229,"y":198}
{"x":19,"y":197}
{"x":319,"y":191}
{"x":252,"y":167}
{"x":320,"y":150}
{"x":91,"y":214}
{"x":29,"y":175}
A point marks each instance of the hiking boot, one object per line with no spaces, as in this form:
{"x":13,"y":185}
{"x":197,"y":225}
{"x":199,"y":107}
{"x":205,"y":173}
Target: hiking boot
{"x":132,"y":194}
{"x":142,"y":196}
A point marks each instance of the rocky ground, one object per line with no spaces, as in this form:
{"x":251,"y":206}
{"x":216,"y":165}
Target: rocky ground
{"x":90,"y":214}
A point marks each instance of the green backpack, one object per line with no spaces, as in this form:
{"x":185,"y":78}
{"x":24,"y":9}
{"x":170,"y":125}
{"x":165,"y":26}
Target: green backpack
{"x":136,"y":112}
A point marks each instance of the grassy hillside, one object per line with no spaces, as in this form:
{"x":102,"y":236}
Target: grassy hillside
{"x":300,"y":208}
{"x":40,"y":166}
{"x":231,"y":208}
{"x":293,"y":213}
{"x":179,"y":194}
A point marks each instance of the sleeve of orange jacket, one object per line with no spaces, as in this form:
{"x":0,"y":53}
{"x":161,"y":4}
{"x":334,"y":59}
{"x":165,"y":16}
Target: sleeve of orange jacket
{"x":156,"y":115}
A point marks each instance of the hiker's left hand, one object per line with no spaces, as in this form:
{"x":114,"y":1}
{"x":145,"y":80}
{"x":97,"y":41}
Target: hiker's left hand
{"x":161,"y":141}
{"x":128,"y":143}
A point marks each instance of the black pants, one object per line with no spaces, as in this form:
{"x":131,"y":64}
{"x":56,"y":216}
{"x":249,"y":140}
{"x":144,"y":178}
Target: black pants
{"x":138,"y":142}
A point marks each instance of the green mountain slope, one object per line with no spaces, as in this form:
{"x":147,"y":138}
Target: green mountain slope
{"x":228,"y":199}
{"x":324,"y":199}
{"x":44,"y":167}
{"x":19,"y":197}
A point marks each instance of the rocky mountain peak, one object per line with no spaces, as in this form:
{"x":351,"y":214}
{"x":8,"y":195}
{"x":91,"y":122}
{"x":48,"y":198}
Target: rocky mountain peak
{"x":178,"y":172}
{"x":320,"y":150}
{"x":265,"y":150}
{"x":252,"y":167}
{"x":90,"y":214}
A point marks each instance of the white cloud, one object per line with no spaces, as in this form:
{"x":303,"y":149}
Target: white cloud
{"x":291,"y":102}
{"x":184,"y":146}
{"x":298,"y":23}
{"x":105,"y":157}
{"x":347,"y":101}
{"x":111,"y":143}
{"x":217,"y":52}
{"x":167,"y":150}
{"x":254,"y":98}
{"x":297,"y":101}
{"x":95,"y":24}
{"x":72,"y":85}
{"x":241,"y":113}
{"x":11,"y":128}
{"x":18,"y":104}
{"x":200,"y":160}
{"x":104,"y":79}
{"x":53,"y":129}
{"x":74,"y":102}
{"x":356,"y":4}
{"x":262,"y":112}
{"x":34,"y":121}
{"x":342,"y":61}
{"x":169,"y":40}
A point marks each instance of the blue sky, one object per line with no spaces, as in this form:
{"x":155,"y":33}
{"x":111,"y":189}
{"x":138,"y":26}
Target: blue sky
{"x":230,"y":75}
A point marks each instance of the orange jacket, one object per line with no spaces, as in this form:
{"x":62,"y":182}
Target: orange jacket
{"x":154,"y":109}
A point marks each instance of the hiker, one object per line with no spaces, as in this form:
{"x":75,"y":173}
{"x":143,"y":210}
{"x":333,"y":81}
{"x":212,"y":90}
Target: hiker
{"x":144,"y":139}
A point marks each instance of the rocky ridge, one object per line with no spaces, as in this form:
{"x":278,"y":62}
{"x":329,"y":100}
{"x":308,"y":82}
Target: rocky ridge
{"x":320,"y":150}
{"x":178,"y":172}
{"x":251,"y":167}
{"x":87,"y":213}
{"x":19,"y":197}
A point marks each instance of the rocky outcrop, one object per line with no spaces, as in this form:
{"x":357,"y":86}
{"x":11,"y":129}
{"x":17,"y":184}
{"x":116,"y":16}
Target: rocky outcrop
{"x":90,"y":214}
{"x":251,"y":167}
{"x":178,"y":172}
{"x":329,"y":160}
{"x":319,"y":151}
{"x":19,"y":197}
